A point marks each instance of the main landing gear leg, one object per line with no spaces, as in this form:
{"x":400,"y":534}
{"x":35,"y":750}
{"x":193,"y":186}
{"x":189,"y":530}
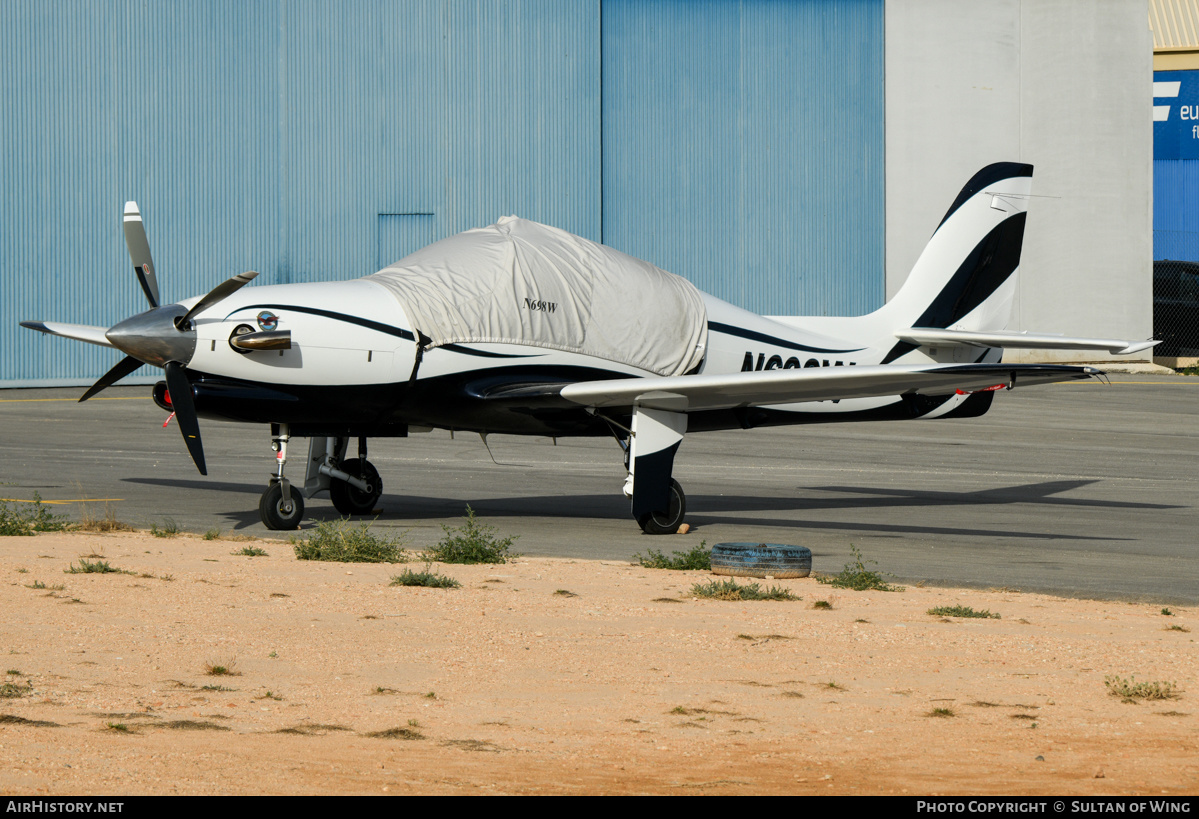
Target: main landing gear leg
{"x":659,"y":504}
{"x":281,"y":507}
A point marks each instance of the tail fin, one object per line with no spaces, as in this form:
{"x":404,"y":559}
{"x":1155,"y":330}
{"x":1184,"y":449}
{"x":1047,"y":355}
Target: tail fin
{"x":965,"y":278}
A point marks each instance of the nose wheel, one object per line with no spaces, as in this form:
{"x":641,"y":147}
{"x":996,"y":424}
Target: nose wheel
{"x":281,"y":506}
{"x":277,"y":513}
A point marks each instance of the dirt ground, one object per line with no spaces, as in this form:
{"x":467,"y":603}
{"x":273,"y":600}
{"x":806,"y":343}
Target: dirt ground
{"x":562,"y":677}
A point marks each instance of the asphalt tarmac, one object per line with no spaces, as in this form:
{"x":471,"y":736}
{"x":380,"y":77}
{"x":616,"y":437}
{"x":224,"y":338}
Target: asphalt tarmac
{"x":1082,"y":489}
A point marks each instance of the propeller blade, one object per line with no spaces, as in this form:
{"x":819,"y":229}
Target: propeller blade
{"x":123,"y":367}
{"x":221,"y":291}
{"x":185,"y":412}
{"x":79,"y":332}
{"x":139,"y":253}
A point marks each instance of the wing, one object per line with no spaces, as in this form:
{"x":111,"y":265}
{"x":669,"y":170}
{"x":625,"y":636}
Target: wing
{"x":79,"y":332}
{"x":689,"y":393}
{"x":1028,"y":341}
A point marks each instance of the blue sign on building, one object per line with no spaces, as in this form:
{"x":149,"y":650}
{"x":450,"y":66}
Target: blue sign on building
{"x":1176,"y":114}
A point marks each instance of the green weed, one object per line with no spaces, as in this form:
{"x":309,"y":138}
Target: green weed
{"x":212,"y":534}
{"x":698,"y":557}
{"x":428,"y":579}
{"x":941,"y":712}
{"x":29,"y":518}
{"x":10,"y":691}
{"x":856,"y":576}
{"x":730,"y":590}
{"x":169,"y":529}
{"x":226,"y":669}
{"x":473,"y":542}
{"x":961,"y":611}
{"x":94,"y":567}
{"x":1130,"y":690}
{"x":339,"y":541}
{"x":250,"y":551}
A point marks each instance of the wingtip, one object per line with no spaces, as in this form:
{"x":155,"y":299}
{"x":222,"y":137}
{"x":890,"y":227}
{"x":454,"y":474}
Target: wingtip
{"x":132,"y":214}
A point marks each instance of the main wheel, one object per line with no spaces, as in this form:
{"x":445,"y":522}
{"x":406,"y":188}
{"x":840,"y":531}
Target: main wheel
{"x":275,"y":513}
{"x":655,"y":523}
{"x":350,"y":500}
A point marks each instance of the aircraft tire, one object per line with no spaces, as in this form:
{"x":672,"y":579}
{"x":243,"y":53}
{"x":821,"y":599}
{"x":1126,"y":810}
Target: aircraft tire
{"x":349,"y":500}
{"x":654,"y":523}
{"x":761,"y":559}
{"x":273,"y":513}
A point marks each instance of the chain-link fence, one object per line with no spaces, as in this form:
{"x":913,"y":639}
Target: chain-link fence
{"x":1176,"y":308}
{"x":1176,"y":294}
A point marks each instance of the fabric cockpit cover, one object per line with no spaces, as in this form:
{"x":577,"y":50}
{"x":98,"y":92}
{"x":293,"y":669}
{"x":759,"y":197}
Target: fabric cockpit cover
{"x":522,"y":282}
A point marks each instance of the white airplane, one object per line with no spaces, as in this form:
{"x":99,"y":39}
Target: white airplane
{"x":524,"y":329}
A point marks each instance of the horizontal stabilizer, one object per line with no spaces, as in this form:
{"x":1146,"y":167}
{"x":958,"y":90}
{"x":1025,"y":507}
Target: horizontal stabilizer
{"x":934,"y":335}
{"x":688,"y":393}
{"x":79,"y":332}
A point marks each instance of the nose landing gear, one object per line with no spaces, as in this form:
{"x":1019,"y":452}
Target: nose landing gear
{"x":281,"y":506}
{"x":353,"y":483}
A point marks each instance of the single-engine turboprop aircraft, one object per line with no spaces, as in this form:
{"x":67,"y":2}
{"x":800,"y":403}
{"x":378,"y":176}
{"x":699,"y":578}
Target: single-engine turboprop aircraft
{"x":525,"y":329}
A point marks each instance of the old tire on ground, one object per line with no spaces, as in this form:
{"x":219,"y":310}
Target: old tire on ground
{"x":761,"y":559}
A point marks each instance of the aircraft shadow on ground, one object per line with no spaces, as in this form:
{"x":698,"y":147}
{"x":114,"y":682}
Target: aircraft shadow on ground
{"x":708,"y":510}
{"x":201,"y":484}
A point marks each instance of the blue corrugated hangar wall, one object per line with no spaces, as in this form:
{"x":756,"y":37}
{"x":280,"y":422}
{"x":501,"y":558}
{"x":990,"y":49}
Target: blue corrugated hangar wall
{"x":1176,"y":165}
{"x":739,"y":144}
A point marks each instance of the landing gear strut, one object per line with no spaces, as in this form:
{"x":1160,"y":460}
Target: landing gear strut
{"x":281,"y":507}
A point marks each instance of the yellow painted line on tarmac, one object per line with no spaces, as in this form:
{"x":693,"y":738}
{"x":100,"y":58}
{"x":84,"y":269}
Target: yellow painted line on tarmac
{"x":43,"y":500}
{"x":76,"y":400}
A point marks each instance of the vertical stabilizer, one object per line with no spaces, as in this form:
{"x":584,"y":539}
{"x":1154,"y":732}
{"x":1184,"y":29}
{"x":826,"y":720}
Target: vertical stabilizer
{"x":966,"y":277}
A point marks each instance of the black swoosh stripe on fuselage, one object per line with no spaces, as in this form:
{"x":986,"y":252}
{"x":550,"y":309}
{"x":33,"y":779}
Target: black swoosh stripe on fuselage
{"x":346,"y":317}
{"x":379,"y":326}
{"x":752,"y":335}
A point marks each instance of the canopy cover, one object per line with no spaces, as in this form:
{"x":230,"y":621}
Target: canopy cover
{"x":521,"y":282}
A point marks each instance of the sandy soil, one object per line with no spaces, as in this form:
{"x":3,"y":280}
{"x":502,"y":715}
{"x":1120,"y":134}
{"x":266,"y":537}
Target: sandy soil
{"x":560,"y":676}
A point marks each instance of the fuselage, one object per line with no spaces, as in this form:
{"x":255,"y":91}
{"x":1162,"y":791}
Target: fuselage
{"x":357,"y":367}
